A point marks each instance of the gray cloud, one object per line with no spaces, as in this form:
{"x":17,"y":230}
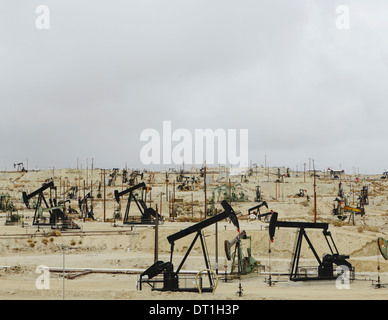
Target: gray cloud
{"x":106,"y":70}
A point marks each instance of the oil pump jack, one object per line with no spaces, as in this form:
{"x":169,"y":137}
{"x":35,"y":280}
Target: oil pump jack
{"x":245,"y":263}
{"x":325,"y":267}
{"x":341,"y":205}
{"x":170,"y":279}
{"x":56,"y":215}
{"x":19,"y":167}
{"x":84,"y":208}
{"x":147,"y":214}
{"x":257,"y":213}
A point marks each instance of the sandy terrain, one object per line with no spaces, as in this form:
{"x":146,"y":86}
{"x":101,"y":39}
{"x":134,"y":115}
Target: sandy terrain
{"x":122,"y":251}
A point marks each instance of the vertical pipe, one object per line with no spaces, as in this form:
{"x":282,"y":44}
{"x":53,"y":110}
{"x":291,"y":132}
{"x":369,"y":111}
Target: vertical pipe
{"x":315,"y":196}
{"x":161,"y":204}
{"x":91,"y":190}
{"x":229,"y":191}
{"x":84,"y":205}
{"x":60,"y":184}
{"x":79,"y":182}
{"x":167,"y":195}
{"x":216,"y":247}
{"x":173,"y":199}
{"x":170,"y":208}
{"x":156,"y":234}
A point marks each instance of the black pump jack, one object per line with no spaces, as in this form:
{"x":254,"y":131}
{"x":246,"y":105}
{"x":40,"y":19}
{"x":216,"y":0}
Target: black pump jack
{"x":171,"y":277}
{"x":55,"y":211}
{"x":325,"y":267}
{"x":146,"y":213}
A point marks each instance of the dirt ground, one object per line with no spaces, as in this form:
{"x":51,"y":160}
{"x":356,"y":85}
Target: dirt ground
{"x":106,"y":258}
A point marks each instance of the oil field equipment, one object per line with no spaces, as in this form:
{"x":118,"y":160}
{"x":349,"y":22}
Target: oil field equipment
{"x":280,"y":176}
{"x":19,"y":167}
{"x":342,"y":209}
{"x":302,"y":193}
{"x":325,"y":269}
{"x":147,"y":214}
{"x":99,"y":196}
{"x":211,"y":209}
{"x":5,"y":202}
{"x":84,"y":208}
{"x":245,"y":263}
{"x":113,"y":176}
{"x":72,"y":193}
{"x":132,"y":181}
{"x":257,"y":213}
{"x":57,"y":218}
{"x":125,"y":178}
{"x":6,"y":205}
{"x":258,"y":197}
{"x":186,"y":183}
{"x":230,"y":194}
{"x":172,"y":280}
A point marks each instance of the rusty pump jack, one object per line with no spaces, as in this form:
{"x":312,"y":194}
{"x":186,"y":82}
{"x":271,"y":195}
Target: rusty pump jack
{"x":56,"y":212}
{"x":325,"y":268}
{"x":170,"y":277}
{"x":147,"y":214}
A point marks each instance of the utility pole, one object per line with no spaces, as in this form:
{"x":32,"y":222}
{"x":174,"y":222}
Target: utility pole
{"x":91,"y":189}
{"x":204,"y":172}
{"x":104,"y":193}
{"x":192,"y":205}
{"x":156,"y":234}
{"x":315,"y":196}
{"x":167,"y":197}
{"x":85,"y":214}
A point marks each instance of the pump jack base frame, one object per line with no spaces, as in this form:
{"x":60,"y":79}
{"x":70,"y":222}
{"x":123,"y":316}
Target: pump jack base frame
{"x":152,"y":284}
{"x":138,"y":220}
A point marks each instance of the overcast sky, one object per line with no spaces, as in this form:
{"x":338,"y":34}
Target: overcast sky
{"x":108,"y":69}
